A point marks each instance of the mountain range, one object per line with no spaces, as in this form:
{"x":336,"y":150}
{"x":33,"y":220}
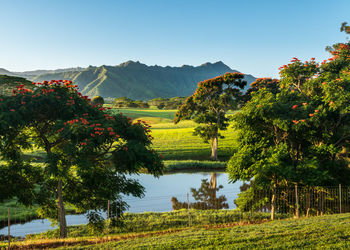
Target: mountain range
{"x":134,"y":80}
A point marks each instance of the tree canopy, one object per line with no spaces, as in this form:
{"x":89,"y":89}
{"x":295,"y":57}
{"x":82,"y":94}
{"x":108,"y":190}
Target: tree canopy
{"x":97,"y":100}
{"x":297,"y":132}
{"x":209,"y":104}
{"x":88,"y":152}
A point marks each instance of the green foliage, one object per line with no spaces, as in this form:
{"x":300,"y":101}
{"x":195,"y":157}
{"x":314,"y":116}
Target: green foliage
{"x":88,"y":151}
{"x":97,"y":100}
{"x":8,"y":83}
{"x":299,"y":131}
{"x":209,"y":104}
{"x":166,"y":103}
{"x":124,"y":102}
{"x":96,"y":223}
{"x":345,"y":28}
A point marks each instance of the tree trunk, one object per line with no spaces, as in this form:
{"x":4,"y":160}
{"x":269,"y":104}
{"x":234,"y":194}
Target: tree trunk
{"x":212,"y":186}
{"x":61,"y":211}
{"x":212,"y":183}
{"x":273,"y":202}
{"x":214,"y":148}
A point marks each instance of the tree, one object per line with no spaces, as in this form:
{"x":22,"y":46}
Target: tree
{"x":97,"y":100}
{"x":298,"y":133}
{"x":345,"y":28}
{"x":124,"y":102}
{"x":205,"y":198}
{"x":209,"y":104}
{"x":89,"y":153}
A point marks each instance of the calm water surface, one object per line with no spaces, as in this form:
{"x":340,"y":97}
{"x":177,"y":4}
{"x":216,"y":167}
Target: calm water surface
{"x":157,"y":198}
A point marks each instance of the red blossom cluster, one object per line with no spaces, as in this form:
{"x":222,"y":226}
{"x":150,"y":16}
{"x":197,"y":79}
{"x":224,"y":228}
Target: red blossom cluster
{"x":70,"y":102}
{"x":21,"y":90}
{"x":46,"y":91}
{"x":108,"y":117}
{"x":84,"y":143}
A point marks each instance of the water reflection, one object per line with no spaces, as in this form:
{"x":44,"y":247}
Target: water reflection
{"x":158,"y":194}
{"x":205,"y":197}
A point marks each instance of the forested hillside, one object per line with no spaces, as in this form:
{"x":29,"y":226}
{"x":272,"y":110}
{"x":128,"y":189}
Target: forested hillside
{"x":139,"y":81}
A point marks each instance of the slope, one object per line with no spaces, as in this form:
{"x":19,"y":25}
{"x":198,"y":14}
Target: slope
{"x":139,"y":81}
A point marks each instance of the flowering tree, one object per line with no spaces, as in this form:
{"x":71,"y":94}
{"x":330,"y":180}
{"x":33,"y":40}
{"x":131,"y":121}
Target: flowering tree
{"x":298,"y":133}
{"x":88,"y":152}
{"x":209,"y":104}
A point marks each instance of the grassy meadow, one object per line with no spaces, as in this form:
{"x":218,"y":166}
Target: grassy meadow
{"x":176,"y":141}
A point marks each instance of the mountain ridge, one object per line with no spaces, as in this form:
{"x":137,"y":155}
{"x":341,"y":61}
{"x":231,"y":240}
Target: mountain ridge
{"x":136,"y":80}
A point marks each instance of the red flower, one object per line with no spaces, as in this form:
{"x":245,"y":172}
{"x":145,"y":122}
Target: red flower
{"x":12,"y":110}
{"x":294,"y":106}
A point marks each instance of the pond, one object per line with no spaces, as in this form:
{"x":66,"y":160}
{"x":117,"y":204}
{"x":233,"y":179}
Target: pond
{"x":159,"y":192}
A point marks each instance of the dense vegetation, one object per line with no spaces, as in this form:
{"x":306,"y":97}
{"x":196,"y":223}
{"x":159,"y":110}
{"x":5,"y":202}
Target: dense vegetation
{"x":8,"y":83}
{"x":296,"y":130}
{"x":88,"y":152}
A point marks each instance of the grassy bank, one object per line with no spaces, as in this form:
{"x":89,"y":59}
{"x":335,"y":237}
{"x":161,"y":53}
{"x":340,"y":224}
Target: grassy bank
{"x":18,"y":212}
{"x":193,"y":165}
{"x":154,"y":221}
{"x":323,"y":232}
{"x":332,"y":231}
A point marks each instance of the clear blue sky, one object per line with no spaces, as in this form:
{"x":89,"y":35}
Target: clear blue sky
{"x":254,"y":37}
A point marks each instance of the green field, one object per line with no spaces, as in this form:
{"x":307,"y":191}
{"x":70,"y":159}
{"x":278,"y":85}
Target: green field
{"x":176,"y":142}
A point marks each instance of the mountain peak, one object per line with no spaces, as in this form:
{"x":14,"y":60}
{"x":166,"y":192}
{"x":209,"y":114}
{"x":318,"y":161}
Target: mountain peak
{"x":131,"y":63}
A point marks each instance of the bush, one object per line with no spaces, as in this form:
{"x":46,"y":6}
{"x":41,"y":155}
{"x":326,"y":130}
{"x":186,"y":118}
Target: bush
{"x":97,"y":100}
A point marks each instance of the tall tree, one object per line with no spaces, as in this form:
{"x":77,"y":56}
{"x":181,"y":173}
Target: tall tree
{"x":88,"y":152}
{"x":209,"y":104}
{"x":299,"y":133}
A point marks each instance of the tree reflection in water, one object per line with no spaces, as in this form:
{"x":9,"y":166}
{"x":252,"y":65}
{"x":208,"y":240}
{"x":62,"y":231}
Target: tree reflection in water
{"x":205,"y":196}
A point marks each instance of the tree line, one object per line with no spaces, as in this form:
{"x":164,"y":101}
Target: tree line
{"x":160,"y":103}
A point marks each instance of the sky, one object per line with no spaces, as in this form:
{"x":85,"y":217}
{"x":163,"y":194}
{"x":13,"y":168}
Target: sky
{"x":252,"y":36}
